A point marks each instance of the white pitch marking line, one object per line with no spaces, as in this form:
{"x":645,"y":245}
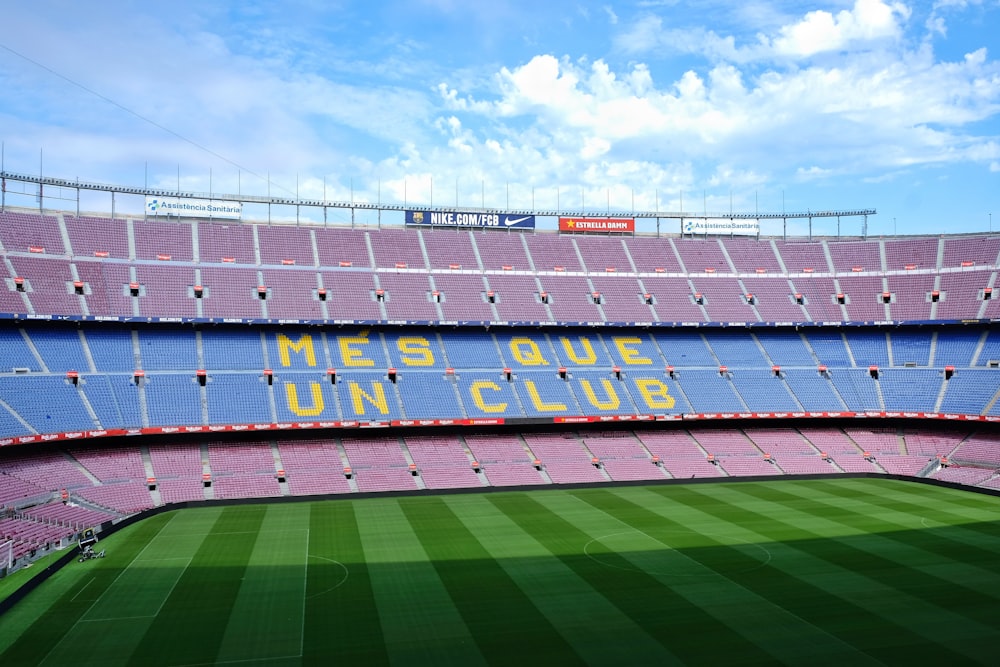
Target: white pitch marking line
{"x":347,"y":574}
{"x":92,"y":579}
{"x":173,"y":585}
{"x":113,"y":582}
{"x":305,"y":587}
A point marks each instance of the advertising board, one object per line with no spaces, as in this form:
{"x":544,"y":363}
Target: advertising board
{"x":193,"y":208}
{"x":723,"y":227}
{"x":470,"y":219}
{"x":597,"y":225}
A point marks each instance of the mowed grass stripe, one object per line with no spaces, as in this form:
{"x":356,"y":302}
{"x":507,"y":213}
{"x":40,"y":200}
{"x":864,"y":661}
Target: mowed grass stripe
{"x":61,"y":610}
{"x":678,"y":624}
{"x":803,"y":578}
{"x":960,"y":509}
{"x":937,"y":542}
{"x":963,"y":592}
{"x":708,"y":578}
{"x":601,"y":632}
{"x":420,"y":624}
{"x":952,"y":526}
{"x":497,"y":612}
{"x":969,"y":500}
{"x":887,"y":588}
{"x":342,"y":622}
{"x":268,"y":613}
{"x":116,"y":622}
{"x":193,"y":620}
{"x":936,"y":505}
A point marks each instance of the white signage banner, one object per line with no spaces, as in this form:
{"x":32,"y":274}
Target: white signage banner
{"x":193,"y":208}
{"x":722,"y":227}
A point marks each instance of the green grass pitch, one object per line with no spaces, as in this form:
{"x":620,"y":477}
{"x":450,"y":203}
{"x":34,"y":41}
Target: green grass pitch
{"x":844,"y":572}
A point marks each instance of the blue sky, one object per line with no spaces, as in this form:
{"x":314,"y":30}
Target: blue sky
{"x":820,"y":105}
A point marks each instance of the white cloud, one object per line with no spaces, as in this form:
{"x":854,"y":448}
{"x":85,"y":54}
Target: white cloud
{"x":861,"y":114}
{"x":867,"y":23}
{"x":821,"y":31}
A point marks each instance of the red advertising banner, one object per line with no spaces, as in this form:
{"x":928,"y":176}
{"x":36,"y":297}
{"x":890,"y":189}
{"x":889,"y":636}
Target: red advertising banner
{"x":597,"y":225}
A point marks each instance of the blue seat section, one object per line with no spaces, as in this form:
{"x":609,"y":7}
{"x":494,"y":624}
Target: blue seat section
{"x":368,"y":396}
{"x":762,"y":391}
{"x":302,"y":396}
{"x":358,"y":349}
{"x":969,"y":391}
{"x":226,"y":349}
{"x":634,"y":351}
{"x":472,"y":350}
{"x":428,"y":395}
{"x":829,"y":348}
{"x":48,"y":402}
{"x":601,"y":393}
{"x":910,"y":389}
{"x":685,"y":348}
{"x":869,"y":348}
{"x":168,"y":349}
{"x":526,"y":350}
{"x":111,"y":349}
{"x":415,"y":350}
{"x":9,"y":425}
{"x":991,"y":349}
{"x":911,"y":346}
{"x":173,"y":400}
{"x":785,"y":348}
{"x":857,"y":388}
{"x":14,"y":352}
{"x":955,"y":347}
{"x":652,"y":393}
{"x":580,"y":350}
{"x":60,"y":349}
{"x":814,"y":391}
{"x":496,"y":396}
{"x":736,"y":349}
{"x":545,"y":394}
{"x":114,"y":398}
{"x":709,"y":392}
{"x":239,"y":398}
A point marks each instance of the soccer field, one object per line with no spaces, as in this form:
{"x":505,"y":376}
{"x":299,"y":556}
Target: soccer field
{"x":839,"y":572}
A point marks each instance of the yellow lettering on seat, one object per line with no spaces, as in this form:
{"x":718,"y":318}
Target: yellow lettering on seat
{"x":589,"y":356}
{"x":292,"y":396}
{"x":304,"y":344}
{"x":610,"y":403}
{"x":376,"y":398}
{"x":353,"y":357}
{"x":418,"y":346}
{"x":630,"y":356}
{"x":526,"y":351}
{"x":537,"y":401}
{"x":655,"y":393}
{"x":477,"y":396}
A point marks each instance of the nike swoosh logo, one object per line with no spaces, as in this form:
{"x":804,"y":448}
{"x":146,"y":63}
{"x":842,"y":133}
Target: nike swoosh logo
{"x":511,"y":223}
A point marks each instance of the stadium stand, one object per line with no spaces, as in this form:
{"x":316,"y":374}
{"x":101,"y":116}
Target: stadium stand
{"x":471,"y":328}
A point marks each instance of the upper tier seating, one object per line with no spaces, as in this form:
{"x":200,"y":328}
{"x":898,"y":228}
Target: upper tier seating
{"x":136,"y":267}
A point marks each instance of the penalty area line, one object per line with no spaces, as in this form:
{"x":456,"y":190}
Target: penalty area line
{"x":92,"y":580}
{"x":347,"y":574}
